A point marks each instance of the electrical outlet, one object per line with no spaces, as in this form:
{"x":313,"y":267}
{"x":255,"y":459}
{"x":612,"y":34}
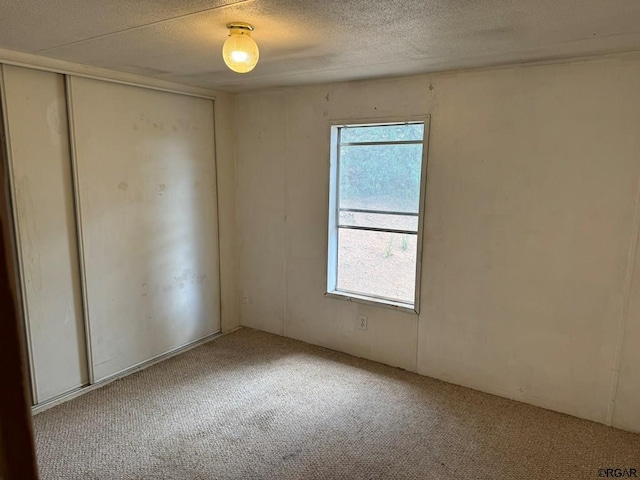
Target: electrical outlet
{"x":362,"y":323}
{"x":245,"y":298}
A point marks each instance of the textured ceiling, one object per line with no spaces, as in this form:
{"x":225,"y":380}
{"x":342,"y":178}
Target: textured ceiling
{"x":315,"y":40}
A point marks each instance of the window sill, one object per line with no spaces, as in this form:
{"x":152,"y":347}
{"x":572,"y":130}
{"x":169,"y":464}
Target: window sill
{"x":372,"y":301}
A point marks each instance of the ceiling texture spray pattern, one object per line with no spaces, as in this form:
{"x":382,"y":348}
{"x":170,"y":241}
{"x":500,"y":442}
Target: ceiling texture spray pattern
{"x":315,"y":41}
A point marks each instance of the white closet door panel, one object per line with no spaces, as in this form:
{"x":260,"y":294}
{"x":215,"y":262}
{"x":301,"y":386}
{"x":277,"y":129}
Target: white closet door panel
{"x":46,"y":232}
{"x":147,"y":188}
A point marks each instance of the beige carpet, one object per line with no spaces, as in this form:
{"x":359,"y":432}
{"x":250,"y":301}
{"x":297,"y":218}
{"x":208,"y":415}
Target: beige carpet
{"x":251,"y":405}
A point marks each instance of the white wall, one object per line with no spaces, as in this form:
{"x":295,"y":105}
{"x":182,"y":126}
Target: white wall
{"x":530,"y":223}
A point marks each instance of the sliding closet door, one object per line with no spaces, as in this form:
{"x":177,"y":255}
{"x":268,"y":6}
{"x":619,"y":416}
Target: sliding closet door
{"x":147,"y":194}
{"x":40,"y":169}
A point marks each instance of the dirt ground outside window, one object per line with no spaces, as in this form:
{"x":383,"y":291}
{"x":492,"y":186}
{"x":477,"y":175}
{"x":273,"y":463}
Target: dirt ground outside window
{"x":377,"y":263}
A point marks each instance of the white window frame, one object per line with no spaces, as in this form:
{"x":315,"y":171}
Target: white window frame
{"x":332,"y":246}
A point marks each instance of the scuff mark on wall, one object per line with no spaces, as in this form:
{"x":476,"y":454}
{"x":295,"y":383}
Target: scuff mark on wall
{"x":56,"y":127}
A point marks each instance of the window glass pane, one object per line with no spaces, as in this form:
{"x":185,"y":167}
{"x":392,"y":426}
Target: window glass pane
{"x":379,"y":264}
{"x":380,"y":177}
{"x":386,"y":133}
{"x":377,"y":220}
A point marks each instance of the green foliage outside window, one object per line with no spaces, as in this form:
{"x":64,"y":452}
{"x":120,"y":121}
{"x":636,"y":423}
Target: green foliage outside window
{"x":385,"y":176}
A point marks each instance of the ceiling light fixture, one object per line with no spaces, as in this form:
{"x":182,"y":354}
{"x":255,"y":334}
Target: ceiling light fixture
{"x":240,"y":52}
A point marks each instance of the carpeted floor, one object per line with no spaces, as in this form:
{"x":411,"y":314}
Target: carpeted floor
{"x":251,"y":405}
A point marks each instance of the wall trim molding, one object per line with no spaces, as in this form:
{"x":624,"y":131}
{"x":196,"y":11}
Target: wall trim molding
{"x":633,"y":55}
{"x":38,"y":62}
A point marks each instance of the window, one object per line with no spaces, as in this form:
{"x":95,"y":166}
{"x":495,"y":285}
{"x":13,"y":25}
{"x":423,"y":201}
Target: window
{"x":377,"y":188}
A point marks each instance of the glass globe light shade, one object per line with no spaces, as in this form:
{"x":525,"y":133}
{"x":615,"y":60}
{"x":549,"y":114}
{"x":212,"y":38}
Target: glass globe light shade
{"x":240,"y":52}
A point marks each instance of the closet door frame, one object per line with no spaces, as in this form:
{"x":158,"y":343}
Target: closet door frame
{"x":7,"y":166}
{"x":79,"y":230}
